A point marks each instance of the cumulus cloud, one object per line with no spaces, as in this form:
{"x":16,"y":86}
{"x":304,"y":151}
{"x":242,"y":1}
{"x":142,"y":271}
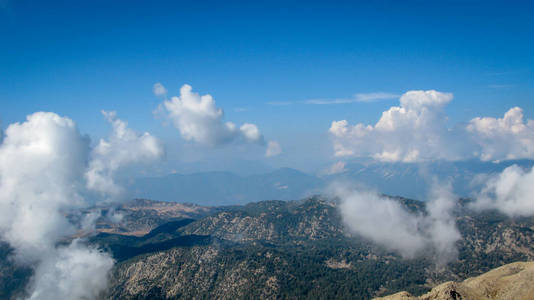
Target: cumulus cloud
{"x":510,"y":192}
{"x":41,"y":163}
{"x":413,"y":131}
{"x":504,"y":138}
{"x":123,"y":147}
{"x":43,"y":167}
{"x":199,"y":120}
{"x":273,"y":149}
{"x":388,"y":223}
{"x":417,"y":131}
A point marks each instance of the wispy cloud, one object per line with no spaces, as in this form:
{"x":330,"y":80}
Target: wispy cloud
{"x":506,"y":72}
{"x":360,"y":97}
{"x":370,"y":97}
{"x":500,"y":86}
{"x":279,"y":103}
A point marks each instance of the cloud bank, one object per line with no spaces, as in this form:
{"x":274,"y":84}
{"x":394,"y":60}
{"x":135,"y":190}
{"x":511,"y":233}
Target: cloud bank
{"x":43,"y":167}
{"x":199,"y":120}
{"x":386,"y":222}
{"x":417,"y":131}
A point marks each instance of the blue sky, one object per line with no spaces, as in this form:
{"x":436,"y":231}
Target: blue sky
{"x":78,"y":57}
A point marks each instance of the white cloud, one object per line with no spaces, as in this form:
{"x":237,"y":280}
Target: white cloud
{"x":43,"y":163}
{"x":73,"y":272}
{"x":198,"y":119}
{"x":279,"y":103}
{"x":124,"y":147}
{"x":417,"y":131}
{"x":510,"y":192}
{"x":371,"y":97}
{"x":336,"y":168}
{"x":361,"y":97}
{"x":500,"y":86}
{"x":440,"y":223}
{"x":273,"y":149}
{"x":504,"y":138}
{"x":251,"y":133}
{"x":386,"y":222}
{"x":159,"y":90}
{"x":382,"y":220}
{"x":414,"y":131}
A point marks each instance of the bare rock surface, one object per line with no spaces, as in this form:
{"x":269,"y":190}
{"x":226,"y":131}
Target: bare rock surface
{"x":511,"y":281}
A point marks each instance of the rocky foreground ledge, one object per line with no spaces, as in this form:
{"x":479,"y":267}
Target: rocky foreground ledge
{"x":511,"y":281}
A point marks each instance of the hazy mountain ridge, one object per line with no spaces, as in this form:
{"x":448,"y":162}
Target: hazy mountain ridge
{"x":226,"y":188}
{"x":412,"y":180}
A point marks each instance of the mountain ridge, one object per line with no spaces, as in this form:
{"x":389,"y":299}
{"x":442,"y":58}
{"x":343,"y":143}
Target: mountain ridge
{"x":300,"y":249}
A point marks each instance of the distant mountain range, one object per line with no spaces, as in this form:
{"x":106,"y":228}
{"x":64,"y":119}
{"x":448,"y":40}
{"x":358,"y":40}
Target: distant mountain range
{"x":413,"y":180}
{"x":223,"y":188}
{"x":403,"y":179}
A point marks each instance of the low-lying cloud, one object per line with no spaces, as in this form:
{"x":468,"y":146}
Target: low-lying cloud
{"x":335,"y":168}
{"x":388,"y":223}
{"x":510,"y":192}
{"x":44,"y":163}
{"x":124,"y":146}
{"x":75,"y":271}
{"x":199,"y":120}
{"x":417,"y":130}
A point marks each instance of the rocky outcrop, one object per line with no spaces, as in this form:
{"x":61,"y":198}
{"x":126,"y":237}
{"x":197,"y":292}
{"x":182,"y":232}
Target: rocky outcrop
{"x":512,"y":281}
